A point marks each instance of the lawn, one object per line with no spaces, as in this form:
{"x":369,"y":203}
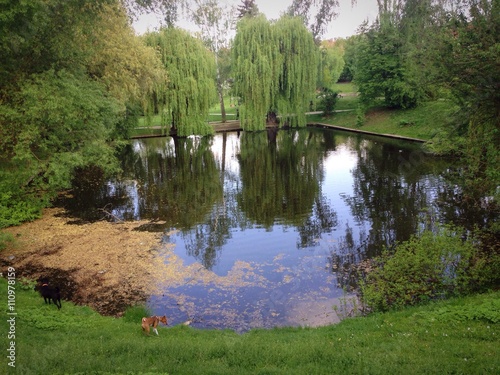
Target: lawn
{"x":423,"y":122}
{"x":459,"y":336}
{"x":214,"y":115}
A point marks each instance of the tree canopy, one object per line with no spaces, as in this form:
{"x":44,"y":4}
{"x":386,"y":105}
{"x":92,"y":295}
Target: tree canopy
{"x":184,"y":100}
{"x":70,"y":74}
{"x":325,"y":13}
{"x":216,"y":24}
{"x":471,"y":70}
{"x":382,"y":67}
{"x":248,"y":8}
{"x":331,"y":63}
{"x":274,"y":69}
{"x":421,"y":50}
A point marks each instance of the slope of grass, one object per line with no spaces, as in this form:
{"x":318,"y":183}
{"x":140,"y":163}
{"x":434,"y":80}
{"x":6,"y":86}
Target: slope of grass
{"x":422,"y":122}
{"x":460,"y":336}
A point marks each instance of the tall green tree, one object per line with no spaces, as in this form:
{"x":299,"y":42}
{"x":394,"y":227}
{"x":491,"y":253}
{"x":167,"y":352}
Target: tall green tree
{"x":274,"y":70}
{"x":349,"y":47}
{"x":70,"y":72}
{"x":325,"y":13}
{"x":387,"y":63}
{"x":331,"y":63}
{"x":216,"y":24}
{"x":256,"y":60}
{"x":471,"y":69}
{"x":185,"y":99}
{"x":248,"y":8}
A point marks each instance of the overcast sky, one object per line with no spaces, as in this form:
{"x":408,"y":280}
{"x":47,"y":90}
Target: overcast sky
{"x":344,"y":25}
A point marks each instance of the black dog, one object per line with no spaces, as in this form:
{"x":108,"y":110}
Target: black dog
{"x":49,"y":293}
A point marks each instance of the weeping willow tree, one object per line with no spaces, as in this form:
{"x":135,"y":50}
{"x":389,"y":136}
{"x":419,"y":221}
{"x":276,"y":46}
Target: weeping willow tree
{"x":275,"y":66}
{"x":255,"y":64}
{"x":185,"y":99}
{"x":297,"y":78}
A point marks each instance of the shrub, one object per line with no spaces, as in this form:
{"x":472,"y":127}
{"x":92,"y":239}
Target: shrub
{"x":16,"y":209}
{"x":431,"y":266}
{"x":328,"y":100}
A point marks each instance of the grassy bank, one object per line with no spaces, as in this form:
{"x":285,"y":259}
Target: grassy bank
{"x":460,"y":336}
{"x":422,"y":122}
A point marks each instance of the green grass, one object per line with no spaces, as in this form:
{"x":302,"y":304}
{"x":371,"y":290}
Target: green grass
{"x":153,"y":121}
{"x":345,"y":88}
{"x":460,"y":336}
{"x":422,"y":122}
{"x":214,"y":115}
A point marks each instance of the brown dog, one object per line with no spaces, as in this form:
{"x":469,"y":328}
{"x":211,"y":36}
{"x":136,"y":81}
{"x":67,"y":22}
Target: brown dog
{"x":153,"y":321}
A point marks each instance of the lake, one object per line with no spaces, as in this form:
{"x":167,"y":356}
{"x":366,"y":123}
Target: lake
{"x":272,"y":225}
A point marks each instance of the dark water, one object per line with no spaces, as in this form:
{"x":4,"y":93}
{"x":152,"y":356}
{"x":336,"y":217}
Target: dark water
{"x":278,"y":219}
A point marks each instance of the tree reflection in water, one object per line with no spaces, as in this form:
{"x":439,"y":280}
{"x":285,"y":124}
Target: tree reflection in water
{"x":298,"y":210}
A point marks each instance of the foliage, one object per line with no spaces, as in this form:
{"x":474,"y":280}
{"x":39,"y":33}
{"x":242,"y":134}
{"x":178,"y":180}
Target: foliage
{"x":248,"y":8}
{"x":16,"y":208}
{"x":471,"y":69}
{"x":122,"y":62}
{"x":349,"y":47}
{"x":62,"y":113}
{"x":255,"y":68}
{"x":328,"y":99}
{"x":331,"y":63}
{"x":67,"y":122}
{"x":216,"y":24}
{"x":360,"y":115}
{"x":272,"y":70}
{"x":487,"y":311}
{"x":40,"y":35}
{"x":326,"y":12}
{"x":297,"y":78}
{"x":380,"y":71}
{"x":428,"y":267}
{"x":71,"y":72}
{"x":190,"y":91}
{"x":395,"y":57}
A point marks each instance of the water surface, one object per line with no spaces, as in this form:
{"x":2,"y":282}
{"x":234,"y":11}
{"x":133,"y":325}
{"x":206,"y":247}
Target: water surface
{"x":280,"y":219}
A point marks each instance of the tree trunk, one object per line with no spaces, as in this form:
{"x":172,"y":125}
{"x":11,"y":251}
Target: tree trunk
{"x":272,"y":118}
{"x":221,"y":100}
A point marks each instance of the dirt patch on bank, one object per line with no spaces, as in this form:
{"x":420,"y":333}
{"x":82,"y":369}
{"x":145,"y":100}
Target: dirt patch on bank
{"x":107,"y":266}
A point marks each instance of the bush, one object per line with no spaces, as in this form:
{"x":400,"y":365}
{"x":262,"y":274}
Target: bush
{"x":328,"y":100}
{"x":434,"y":265}
{"x":15,"y":209}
